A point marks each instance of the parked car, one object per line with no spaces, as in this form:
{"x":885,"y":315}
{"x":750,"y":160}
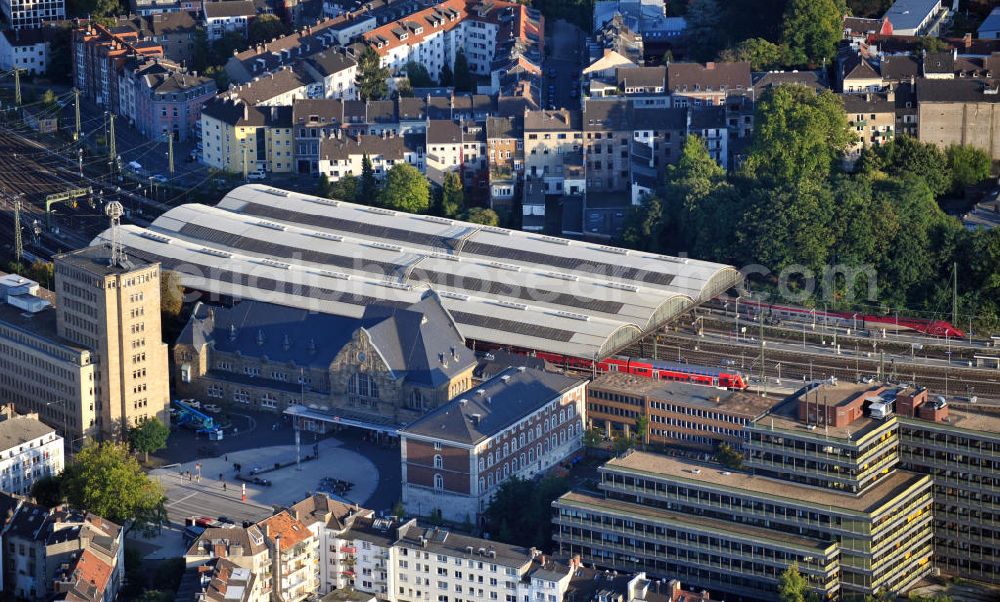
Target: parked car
{"x":256,"y":175}
{"x":160,"y":179}
{"x":262,"y":482}
{"x":213,"y":408}
{"x":192,"y":402}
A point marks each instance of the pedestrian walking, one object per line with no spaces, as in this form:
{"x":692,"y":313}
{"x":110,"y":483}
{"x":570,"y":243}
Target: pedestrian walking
{"x":223,"y":485}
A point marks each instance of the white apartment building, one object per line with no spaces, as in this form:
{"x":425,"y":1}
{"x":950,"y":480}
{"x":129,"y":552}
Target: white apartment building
{"x":224,"y":16}
{"x":344,"y":156}
{"x":29,"y":450}
{"x":22,"y":14}
{"x":25,"y":49}
{"x":336,"y":70}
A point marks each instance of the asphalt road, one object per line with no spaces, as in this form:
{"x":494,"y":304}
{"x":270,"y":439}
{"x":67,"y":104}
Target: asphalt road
{"x":563,"y":65}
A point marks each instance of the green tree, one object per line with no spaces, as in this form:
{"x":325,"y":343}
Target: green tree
{"x":399,"y":510}
{"x":452,"y":195}
{"x":968,"y":165}
{"x":593,"y":437}
{"x":108,"y":481}
{"x":265,"y":28}
{"x":404,"y":89}
{"x":760,"y":53}
{"x":907,"y":156}
{"x":931,"y":44}
{"x":642,"y":429}
{"x":405,"y":189}
{"x":49,"y":99}
{"x":418,"y":75}
{"x":792,"y":585}
{"x":789,"y":224}
{"x":728,"y":457}
{"x":367,"y":189}
{"x":47,"y":491}
{"x":447,"y":76}
{"x":323,"y":186}
{"x":42,"y":272}
{"x":201,"y":51}
{"x":171,"y":294}
{"x":148,"y":435}
{"x":92,"y":8}
{"x":811,"y":30}
{"x":464,"y":80}
{"x":520,"y":511}
{"x":703,"y":31}
{"x":485,"y":217}
{"x":59,"y":63}
{"x":346,"y":188}
{"x":224,"y":47}
{"x":798,"y":133}
{"x":643,"y":226}
{"x":372,"y":76}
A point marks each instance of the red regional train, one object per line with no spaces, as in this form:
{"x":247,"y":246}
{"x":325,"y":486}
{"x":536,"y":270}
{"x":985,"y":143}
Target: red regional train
{"x":658,"y":369}
{"x":936,"y":328}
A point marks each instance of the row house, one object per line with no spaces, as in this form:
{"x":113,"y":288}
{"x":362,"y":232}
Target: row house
{"x":220,"y":17}
{"x":238,"y":137}
{"x":431,"y":37}
{"x":26,"y":49}
{"x":505,"y":156}
{"x":100,"y":54}
{"x":174,"y":31}
{"x":265,"y":57}
{"x":279,"y":88}
{"x":145,"y":8}
{"x":343,"y":154}
{"x":60,"y":553}
{"x":517,"y":424}
{"x":160,"y":98}
{"x":337,"y":70}
{"x":553,"y":145}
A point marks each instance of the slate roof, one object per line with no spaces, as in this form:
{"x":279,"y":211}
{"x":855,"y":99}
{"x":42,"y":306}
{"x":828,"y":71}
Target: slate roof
{"x":17,"y":430}
{"x":327,"y":110}
{"x":237,"y":112}
{"x":613,"y":115}
{"x":991,"y":24}
{"x":771,"y":79}
{"x":390,"y":147}
{"x":939,"y":62}
{"x":455,"y":545}
{"x":229,"y":8}
{"x":503,"y":128}
{"x":443,"y":131}
{"x":270,"y":85}
{"x":551,"y":121}
{"x":907,"y":14}
{"x":861,"y":103}
{"x":899,"y":67}
{"x":331,"y":61}
{"x":649,"y":118}
{"x":505,"y":399}
{"x":707,"y":77}
{"x":410,"y":340}
{"x":707,"y":118}
{"x":320,"y":508}
{"x":219,"y":542}
{"x":641,"y":77}
{"x":950,"y":90}
{"x":862,"y":25}
{"x":856,"y":67}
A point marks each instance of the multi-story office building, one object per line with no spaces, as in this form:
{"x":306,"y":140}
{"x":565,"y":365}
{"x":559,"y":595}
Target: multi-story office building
{"x":113,"y":309}
{"x":29,"y":450}
{"x":517,"y":424}
{"x":880,"y":540}
{"x":816,"y":450}
{"x":41,"y":372}
{"x":679,"y":413}
{"x":26,"y":14}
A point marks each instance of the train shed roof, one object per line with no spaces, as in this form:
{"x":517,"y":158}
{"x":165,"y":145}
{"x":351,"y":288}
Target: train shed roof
{"x":501,"y":286}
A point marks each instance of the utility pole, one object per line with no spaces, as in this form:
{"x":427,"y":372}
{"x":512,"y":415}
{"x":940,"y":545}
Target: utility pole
{"x":76,"y":97}
{"x":763,"y":369}
{"x":112,"y":151}
{"x":17,"y":86}
{"x":18,"y":243}
{"x":170,"y":152}
{"x":79,"y":154}
{"x":245,"y":173}
{"x":954,"y":293}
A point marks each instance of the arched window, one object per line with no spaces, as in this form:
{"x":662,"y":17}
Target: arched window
{"x":546,"y":425}
{"x":571,"y":409}
{"x":538,"y":431}
{"x":416,"y":400}
{"x":538,"y":450}
{"x":362,"y":385}
{"x":482,"y":484}
{"x":553,"y":442}
{"x":562,"y":416}
{"x":438,"y":482}
{"x":521,"y":440}
{"x":545,"y":448}
{"x":506,"y":470}
{"x":531,"y":455}
{"x":489,"y":459}
{"x":482,"y":464}
{"x":524,"y":460}
{"x":489,"y":481}
{"x":513,"y":465}
{"x":438,"y":461}
{"x":506,"y":449}
{"x":562,"y":437}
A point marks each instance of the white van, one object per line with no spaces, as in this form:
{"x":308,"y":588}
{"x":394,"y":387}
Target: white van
{"x":134,"y":166}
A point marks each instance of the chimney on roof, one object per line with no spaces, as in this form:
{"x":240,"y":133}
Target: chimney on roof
{"x":710,"y":65}
{"x":967,"y":40}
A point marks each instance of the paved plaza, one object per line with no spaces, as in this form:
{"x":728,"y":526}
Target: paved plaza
{"x":189,"y":496}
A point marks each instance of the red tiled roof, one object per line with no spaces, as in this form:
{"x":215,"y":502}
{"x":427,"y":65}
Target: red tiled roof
{"x":425,"y":19}
{"x":291,"y":530}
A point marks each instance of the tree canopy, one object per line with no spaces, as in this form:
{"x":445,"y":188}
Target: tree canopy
{"x":968,"y":165}
{"x":418,"y":75}
{"x":405,"y":189}
{"x":811,"y":30}
{"x":106,"y":480}
{"x":792,"y":585}
{"x":760,"y":53}
{"x":520,"y":511}
{"x":265,"y":28}
{"x":367,"y":188}
{"x":465,"y":81}
{"x":372,"y":76}
{"x":480,"y":215}
{"x":703,"y":18}
{"x":148,"y":435}
{"x":452,"y":195}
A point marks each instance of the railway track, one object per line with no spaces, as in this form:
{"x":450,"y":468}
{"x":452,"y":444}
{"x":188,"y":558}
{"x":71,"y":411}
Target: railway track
{"x":799,"y":366}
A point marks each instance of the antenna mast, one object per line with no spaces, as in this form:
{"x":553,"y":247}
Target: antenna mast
{"x":115,"y":210}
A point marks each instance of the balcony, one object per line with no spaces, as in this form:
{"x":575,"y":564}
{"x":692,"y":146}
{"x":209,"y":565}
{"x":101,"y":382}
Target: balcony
{"x":348,"y":549}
